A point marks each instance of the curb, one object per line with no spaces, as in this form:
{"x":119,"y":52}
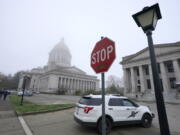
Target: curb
{"x":40,"y":112}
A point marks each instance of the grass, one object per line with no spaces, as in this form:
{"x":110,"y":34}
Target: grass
{"x":29,"y":107}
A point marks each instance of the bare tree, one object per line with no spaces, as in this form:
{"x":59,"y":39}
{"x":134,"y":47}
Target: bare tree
{"x":114,"y":80}
{"x":114,"y":85}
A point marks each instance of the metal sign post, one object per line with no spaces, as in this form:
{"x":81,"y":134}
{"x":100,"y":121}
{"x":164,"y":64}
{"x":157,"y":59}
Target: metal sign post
{"x":102,"y":58}
{"x":103,"y":104}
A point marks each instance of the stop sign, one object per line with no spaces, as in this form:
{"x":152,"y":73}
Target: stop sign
{"x":103,"y":55}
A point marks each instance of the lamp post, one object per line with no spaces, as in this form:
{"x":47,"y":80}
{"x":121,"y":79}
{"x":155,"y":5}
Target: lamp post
{"x":24,"y":87}
{"x":147,"y":20}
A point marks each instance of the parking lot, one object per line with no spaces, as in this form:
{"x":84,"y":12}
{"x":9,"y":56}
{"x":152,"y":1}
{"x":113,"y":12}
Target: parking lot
{"x":62,"y":122}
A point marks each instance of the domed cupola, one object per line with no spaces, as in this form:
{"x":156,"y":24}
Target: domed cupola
{"x":60,"y":55}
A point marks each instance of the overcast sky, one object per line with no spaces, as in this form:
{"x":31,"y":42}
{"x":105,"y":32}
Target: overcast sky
{"x":29,"y":29}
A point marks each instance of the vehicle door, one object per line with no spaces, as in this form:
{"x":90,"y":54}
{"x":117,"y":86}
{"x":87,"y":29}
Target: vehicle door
{"x":130,"y":108}
{"x":116,"y":109}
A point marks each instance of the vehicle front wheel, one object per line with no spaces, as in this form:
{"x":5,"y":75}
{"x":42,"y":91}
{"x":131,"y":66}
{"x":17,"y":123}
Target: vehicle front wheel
{"x":108,"y":126}
{"x":146,"y":121}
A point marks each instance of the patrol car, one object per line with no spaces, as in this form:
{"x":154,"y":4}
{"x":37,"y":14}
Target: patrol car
{"x":119,"y":110}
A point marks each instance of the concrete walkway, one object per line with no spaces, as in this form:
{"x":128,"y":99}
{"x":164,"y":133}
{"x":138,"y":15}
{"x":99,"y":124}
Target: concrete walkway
{"x":9,"y":122}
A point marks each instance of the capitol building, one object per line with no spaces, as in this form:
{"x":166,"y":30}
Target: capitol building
{"x":58,"y":74}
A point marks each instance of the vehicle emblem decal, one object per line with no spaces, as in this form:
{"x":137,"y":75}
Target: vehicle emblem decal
{"x":133,"y":114}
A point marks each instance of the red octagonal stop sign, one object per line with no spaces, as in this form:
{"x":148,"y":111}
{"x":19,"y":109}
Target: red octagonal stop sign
{"x":103,"y":55}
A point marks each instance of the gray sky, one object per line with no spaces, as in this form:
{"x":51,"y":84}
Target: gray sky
{"x":29,"y":29}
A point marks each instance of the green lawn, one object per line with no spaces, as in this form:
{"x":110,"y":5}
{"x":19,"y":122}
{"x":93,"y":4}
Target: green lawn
{"x":29,"y":107}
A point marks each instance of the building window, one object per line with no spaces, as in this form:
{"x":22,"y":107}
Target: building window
{"x":146,"y":70}
{"x":139,"y":82}
{"x":159,"y":69}
{"x":169,"y":66}
{"x":172,"y":82}
{"x":139,"y":88}
{"x":148,"y":84}
{"x":137,"y":70}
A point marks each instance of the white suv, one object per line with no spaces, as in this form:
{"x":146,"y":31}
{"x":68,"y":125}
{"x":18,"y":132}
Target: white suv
{"x":119,"y":111}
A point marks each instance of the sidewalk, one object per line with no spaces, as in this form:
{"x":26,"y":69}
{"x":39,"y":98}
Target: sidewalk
{"x":9,"y":123}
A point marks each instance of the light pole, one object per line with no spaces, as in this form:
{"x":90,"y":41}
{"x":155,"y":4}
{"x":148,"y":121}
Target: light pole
{"x":147,"y":20}
{"x":24,"y":87}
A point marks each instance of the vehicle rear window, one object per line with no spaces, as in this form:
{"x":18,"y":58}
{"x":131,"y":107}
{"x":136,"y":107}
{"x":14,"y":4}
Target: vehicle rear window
{"x":90,"y":101}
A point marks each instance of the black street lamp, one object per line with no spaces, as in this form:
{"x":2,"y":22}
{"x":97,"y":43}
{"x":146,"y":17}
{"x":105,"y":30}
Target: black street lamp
{"x":147,"y":20}
{"x":24,"y":87}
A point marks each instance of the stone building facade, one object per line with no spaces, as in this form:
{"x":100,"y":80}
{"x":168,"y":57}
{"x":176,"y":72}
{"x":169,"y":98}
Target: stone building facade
{"x":58,"y":74}
{"x":138,"y":80}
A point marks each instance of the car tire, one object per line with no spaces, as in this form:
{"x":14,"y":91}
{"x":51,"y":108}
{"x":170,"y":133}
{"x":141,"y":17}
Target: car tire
{"x":108,"y":126}
{"x":146,"y":121}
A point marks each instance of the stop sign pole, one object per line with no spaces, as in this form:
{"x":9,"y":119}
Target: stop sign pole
{"x":103,"y":102}
{"x":102,"y":58}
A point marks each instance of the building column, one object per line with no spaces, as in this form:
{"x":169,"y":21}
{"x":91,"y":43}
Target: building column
{"x":60,"y":82}
{"x":63,"y":80}
{"x":66,"y":86}
{"x":74,"y":84}
{"x":125,"y":79}
{"x":67,"y":83}
{"x":176,"y":70}
{"x":90,"y":85}
{"x":77,"y":86}
{"x":80,"y":84}
{"x":85,"y":85}
{"x":20,"y":85}
{"x":87,"y":88}
{"x":32,"y":83}
{"x":151,"y":79}
{"x":94,"y":86}
{"x":133,"y":83}
{"x":142,"y":79}
{"x":164,"y":77}
{"x":71,"y":84}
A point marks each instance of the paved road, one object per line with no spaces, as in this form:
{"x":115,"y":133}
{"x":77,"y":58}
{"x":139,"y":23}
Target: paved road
{"x":172,"y":114}
{"x":62,"y":122}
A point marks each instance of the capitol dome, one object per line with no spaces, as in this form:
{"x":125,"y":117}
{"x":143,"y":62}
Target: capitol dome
{"x":60,"y":55}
